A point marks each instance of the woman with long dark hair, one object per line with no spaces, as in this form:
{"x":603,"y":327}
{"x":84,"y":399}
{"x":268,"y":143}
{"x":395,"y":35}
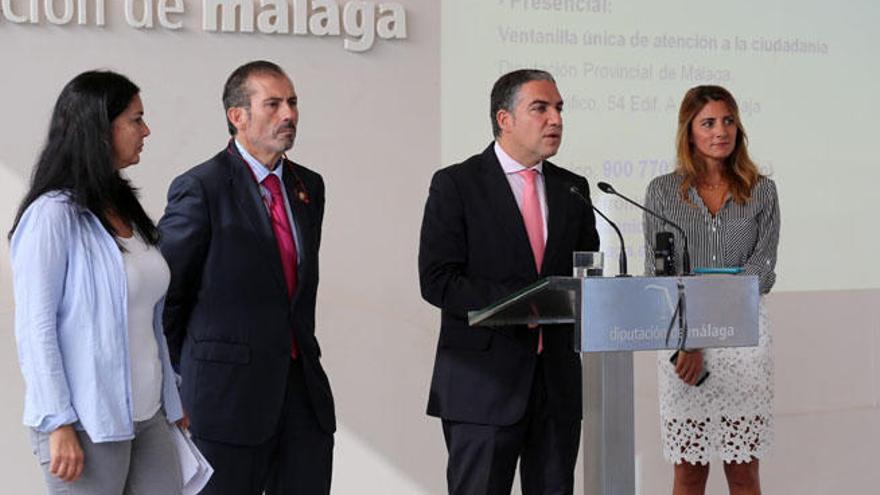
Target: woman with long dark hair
{"x":730,"y":213}
{"x":89,"y":283}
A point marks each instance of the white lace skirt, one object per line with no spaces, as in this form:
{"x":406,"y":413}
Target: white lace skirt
{"x":730,"y":416}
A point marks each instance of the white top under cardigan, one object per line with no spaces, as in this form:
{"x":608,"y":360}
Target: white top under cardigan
{"x":71,"y":324}
{"x":147,"y":277}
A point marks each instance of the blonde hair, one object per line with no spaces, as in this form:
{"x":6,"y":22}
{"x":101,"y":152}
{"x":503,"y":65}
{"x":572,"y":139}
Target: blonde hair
{"x":739,"y":170}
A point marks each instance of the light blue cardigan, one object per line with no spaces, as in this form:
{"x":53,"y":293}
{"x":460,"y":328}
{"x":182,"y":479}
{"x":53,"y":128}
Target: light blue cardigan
{"x":71,"y":323}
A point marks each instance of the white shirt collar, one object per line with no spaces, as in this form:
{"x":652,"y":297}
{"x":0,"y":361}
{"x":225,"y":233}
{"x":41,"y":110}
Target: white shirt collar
{"x":511,"y":166}
{"x":260,"y":171}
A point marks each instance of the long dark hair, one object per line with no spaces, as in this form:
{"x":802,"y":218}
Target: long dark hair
{"x":78,"y":155}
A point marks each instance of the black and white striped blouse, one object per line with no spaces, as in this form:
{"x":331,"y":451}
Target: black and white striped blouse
{"x":738,"y":236}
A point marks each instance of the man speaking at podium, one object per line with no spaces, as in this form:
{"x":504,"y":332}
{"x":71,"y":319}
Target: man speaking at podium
{"x":493,"y":224}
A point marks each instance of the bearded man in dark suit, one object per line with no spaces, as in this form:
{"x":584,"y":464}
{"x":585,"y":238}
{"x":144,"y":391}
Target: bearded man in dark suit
{"x":241,"y":234}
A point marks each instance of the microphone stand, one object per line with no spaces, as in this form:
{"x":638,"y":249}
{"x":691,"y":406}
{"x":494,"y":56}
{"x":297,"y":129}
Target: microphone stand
{"x":686,"y":255}
{"x":680,"y":312}
{"x":621,"y":263}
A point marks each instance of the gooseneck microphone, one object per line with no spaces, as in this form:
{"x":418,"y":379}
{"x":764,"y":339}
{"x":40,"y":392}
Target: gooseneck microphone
{"x":686,"y":255}
{"x":681,"y":308}
{"x":622,"y":261}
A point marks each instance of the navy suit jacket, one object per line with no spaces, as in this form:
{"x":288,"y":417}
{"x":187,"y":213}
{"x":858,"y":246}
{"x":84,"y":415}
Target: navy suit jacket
{"x":228,"y":316}
{"x":474,"y":250}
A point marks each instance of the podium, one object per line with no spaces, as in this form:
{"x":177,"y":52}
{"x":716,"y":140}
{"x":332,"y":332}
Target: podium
{"x":614,"y":317}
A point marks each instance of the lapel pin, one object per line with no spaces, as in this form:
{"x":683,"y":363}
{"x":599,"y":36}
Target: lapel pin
{"x":300,"y":188}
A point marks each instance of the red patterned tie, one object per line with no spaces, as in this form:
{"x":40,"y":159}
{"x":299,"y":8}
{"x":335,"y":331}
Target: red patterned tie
{"x":283,"y":238}
{"x":534,"y":220}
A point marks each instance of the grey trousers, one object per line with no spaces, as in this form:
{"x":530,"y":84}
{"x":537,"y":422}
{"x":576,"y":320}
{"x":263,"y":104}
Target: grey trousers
{"x":145,"y":465}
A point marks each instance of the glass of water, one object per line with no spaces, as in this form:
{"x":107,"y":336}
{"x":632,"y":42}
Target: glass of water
{"x":588,"y":263}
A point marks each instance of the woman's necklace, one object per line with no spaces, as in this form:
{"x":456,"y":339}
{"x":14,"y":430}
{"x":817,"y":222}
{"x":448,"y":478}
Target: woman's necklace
{"x":713,"y":195}
{"x":713,"y":187}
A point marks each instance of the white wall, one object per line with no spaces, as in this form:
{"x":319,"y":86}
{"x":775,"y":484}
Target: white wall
{"x":369,"y":123}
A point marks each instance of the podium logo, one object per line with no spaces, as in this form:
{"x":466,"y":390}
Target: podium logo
{"x":655,"y":333}
{"x":708,"y":330}
{"x":618,"y":334}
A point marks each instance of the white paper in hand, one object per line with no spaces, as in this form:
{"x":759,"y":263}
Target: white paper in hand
{"x":195,"y":468}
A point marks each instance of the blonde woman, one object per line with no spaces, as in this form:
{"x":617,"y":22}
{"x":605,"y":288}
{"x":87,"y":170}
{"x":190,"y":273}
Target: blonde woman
{"x":731,"y":215}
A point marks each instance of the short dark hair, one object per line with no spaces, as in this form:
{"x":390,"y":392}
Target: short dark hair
{"x":236,"y":92}
{"x":506,"y":91}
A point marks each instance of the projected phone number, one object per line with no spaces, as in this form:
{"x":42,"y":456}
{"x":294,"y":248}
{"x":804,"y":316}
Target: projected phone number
{"x":623,"y":169}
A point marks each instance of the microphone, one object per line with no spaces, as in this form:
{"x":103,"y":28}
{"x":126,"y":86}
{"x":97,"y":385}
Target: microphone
{"x":664,"y":254}
{"x":666,"y":243}
{"x":622,"y":261}
{"x":686,"y":256}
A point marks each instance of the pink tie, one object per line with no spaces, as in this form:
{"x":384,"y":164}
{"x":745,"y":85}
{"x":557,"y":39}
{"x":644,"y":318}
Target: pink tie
{"x":283,"y":238}
{"x":534,"y":220}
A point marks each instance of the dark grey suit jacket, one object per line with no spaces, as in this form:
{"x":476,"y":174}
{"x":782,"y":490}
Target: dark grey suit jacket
{"x":474,"y":250}
{"x":228,"y":316}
